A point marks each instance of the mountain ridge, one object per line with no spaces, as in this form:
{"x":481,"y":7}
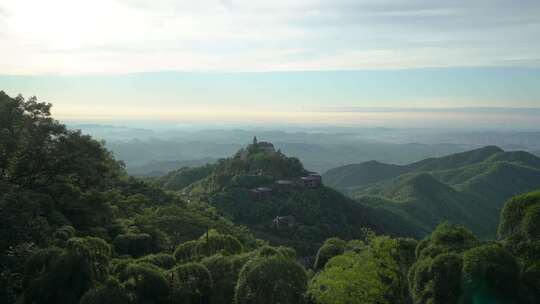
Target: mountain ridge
{"x":333,"y":176}
{"x":467,"y":188}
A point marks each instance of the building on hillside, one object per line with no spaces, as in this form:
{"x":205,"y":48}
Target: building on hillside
{"x":284,"y":221}
{"x":311,"y":181}
{"x":260,"y":193}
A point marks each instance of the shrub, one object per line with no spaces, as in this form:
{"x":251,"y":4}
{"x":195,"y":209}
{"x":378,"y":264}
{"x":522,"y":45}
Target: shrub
{"x":332,"y":247}
{"x":55,"y":275}
{"x":191,"y":284}
{"x":111,"y":293}
{"x":64,"y":233}
{"x":269,"y":280}
{"x":208,"y":245}
{"x":161,"y":260}
{"x":186,"y":251}
{"x":490,"y":273}
{"x":224,"y":277}
{"x":146,"y":283}
{"x":437,"y":281}
{"x":135,"y":245}
{"x":531,"y":223}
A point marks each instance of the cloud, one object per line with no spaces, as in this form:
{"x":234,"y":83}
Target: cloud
{"x":120,"y":36}
{"x":3,"y":13}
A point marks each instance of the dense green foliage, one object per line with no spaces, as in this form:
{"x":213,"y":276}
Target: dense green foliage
{"x":145,"y":283}
{"x":72,"y":221}
{"x":330,"y":248}
{"x":110,"y":293}
{"x":448,"y":267}
{"x":490,"y":273}
{"x":376,"y":273}
{"x":224,"y":277}
{"x":436,"y":276}
{"x":209,"y":244}
{"x":191,"y":283}
{"x":519,"y":227}
{"x":271,"y":279}
{"x":56,"y":275}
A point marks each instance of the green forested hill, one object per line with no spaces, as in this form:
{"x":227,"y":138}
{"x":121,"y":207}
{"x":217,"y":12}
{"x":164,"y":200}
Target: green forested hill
{"x":455,"y":160}
{"x":467,"y":188}
{"x":318,"y":212}
{"x":361,"y":174}
{"x":357,"y":175}
{"x":185,"y":176}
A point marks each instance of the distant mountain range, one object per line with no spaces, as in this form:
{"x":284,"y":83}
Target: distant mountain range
{"x":467,"y":188}
{"x":155,"y":149}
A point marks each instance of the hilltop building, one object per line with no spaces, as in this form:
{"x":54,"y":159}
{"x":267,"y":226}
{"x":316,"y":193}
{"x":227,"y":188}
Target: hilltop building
{"x":263,"y":145}
{"x":257,"y":146}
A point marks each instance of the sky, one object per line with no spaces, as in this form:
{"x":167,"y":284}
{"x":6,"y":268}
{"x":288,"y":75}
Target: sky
{"x":333,"y":61}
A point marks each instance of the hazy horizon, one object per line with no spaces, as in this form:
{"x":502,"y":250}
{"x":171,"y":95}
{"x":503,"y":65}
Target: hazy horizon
{"x":442,"y":98}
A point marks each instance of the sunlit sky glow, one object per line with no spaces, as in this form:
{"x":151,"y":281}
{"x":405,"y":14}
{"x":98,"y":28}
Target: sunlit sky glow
{"x":235,"y":60}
